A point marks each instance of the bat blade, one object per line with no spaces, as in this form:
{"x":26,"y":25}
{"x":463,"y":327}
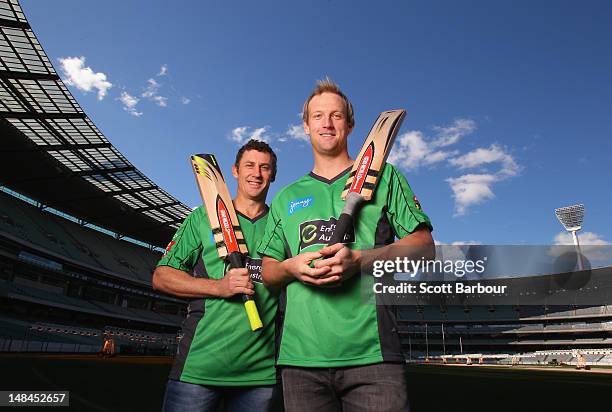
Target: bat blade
{"x":366,"y":170}
{"x":219,"y":207}
{"x":229,"y":240}
{"x":374,"y":152}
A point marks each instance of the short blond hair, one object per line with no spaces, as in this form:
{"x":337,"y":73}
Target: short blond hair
{"x":328,"y":86}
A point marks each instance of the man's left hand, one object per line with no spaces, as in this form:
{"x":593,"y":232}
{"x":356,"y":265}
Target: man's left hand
{"x":342,"y":261}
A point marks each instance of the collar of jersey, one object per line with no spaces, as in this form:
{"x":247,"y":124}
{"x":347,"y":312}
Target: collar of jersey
{"x":333,"y":179}
{"x":256,"y":218}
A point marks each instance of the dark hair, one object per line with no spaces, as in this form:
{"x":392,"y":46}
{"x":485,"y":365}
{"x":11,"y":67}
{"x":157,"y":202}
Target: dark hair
{"x":260,"y":147}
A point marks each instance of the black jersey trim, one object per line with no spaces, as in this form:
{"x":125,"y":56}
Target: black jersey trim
{"x":386,"y":316}
{"x":384,"y":234}
{"x":270,"y":239}
{"x":190,"y":324}
{"x":332,"y":180}
{"x":256,"y":218}
{"x":279,"y":323}
{"x":390,"y":343}
{"x":419,"y":221}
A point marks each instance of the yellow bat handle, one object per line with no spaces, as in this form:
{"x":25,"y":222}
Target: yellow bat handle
{"x":253,"y":315}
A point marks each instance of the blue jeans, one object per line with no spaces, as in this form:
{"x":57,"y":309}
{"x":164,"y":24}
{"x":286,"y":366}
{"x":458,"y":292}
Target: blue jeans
{"x":191,"y":397}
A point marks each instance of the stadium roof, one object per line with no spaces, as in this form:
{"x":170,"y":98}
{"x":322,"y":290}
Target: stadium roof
{"x":53,"y":153}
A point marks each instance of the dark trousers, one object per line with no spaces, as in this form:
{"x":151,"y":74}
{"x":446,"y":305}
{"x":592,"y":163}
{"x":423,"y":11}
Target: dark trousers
{"x":380,"y":387}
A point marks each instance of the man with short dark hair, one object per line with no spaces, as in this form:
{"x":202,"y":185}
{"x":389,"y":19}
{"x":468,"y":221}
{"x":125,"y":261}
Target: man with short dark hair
{"x":337,"y":352}
{"x":219,"y":357}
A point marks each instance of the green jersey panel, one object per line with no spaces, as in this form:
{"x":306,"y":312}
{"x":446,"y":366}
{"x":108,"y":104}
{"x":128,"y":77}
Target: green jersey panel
{"x":218,"y":347}
{"x":332,"y":327}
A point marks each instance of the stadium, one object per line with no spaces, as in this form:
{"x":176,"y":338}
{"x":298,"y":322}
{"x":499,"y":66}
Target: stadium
{"x":81,"y":230}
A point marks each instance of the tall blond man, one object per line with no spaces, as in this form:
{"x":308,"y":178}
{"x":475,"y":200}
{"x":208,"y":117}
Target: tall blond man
{"x":337,"y":352}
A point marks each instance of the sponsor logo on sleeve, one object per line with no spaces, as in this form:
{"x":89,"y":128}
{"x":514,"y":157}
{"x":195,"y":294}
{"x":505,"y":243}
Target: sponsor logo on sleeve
{"x":416,"y":202}
{"x":169,"y":247}
{"x":318,"y":232}
{"x":254,"y":268}
{"x":297,"y":204}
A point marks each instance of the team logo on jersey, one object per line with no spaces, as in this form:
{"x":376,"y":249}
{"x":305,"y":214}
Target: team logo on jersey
{"x":169,"y":247}
{"x":297,"y":204}
{"x":416,"y":202}
{"x":318,"y":232}
{"x":254,"y":268}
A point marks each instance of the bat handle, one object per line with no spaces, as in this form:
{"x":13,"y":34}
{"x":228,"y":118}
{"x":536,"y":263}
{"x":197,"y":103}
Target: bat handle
{"x":351,"y":205}
{"x":236,"y":260}
{"x":344,"y":223}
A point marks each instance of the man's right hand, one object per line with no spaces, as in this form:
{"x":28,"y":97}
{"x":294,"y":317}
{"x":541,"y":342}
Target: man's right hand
{"x":236,"y":281}
{"x":299,"y":267}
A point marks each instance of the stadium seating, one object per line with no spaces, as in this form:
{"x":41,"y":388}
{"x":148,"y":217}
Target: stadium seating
{"x":69,"y":240}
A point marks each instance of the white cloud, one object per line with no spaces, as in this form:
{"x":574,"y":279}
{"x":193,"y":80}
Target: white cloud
{"x":185,"y":100}
{"x":482,"y":156}
{"x":160,"y":101}
{"x":259,"y":134}
{"x":163,"y":70}
{"x":466,"y":242}
{"x":242,"y":134}
{"x":409,"y":150}
{"x":413,"y":150}
{"x":296,"y":132}
{"x":129,"y":104}
{"x":584,"y":238}
{"x":151,"y":89}
{"x":151,"y":93}
{"x":238,"y":134}
{"x":458,"y":243}
{"x":452,"y":134}
{"x":84,"y":78}
{"x":471,"y":189}
{"x":592,"y":245}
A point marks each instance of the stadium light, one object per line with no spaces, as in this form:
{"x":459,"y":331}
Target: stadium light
{"x":571,"y":217}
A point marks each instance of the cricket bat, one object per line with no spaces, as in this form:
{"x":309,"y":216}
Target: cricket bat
{"x":362,"y":181}
{"x":224,"y":223}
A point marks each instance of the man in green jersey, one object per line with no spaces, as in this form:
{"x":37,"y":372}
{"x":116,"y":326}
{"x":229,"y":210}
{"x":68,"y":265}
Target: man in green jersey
{"x":219,"y":357}
{"x":337,"y":352}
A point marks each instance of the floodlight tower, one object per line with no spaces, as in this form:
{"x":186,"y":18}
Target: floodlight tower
{"x":571,"y":218}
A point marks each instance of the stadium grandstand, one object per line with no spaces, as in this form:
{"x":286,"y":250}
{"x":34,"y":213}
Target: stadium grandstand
{"x":519,"y":334}
{"x":80,"y":227}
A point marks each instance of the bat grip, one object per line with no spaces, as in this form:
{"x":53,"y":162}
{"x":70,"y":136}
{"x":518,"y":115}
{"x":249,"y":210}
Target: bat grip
{"x":351,"y":205}
{"x":236,"y":260}
{"x":342,"y":227}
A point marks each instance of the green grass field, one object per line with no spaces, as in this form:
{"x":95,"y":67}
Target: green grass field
{"x":137,"y":384}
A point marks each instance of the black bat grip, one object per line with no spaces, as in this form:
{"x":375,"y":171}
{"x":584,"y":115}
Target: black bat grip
{"x":236,"y":260}
{"x":351,"y":206}
{"x":342,"y":227}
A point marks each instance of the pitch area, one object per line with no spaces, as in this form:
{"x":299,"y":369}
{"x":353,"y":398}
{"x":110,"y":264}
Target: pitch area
{"x":130,"y":383}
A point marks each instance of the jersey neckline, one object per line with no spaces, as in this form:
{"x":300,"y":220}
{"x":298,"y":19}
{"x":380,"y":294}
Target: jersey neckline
{"x":256,"y":218}
{"x":333,"y":179}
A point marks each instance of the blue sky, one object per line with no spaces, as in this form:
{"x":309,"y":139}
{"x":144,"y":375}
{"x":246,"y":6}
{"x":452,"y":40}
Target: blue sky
{"x":501,"y":96}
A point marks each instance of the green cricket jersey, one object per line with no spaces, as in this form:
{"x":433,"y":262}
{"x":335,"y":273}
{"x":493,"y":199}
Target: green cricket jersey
{"x":333,"y":327}
{"x":218,"y":346}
